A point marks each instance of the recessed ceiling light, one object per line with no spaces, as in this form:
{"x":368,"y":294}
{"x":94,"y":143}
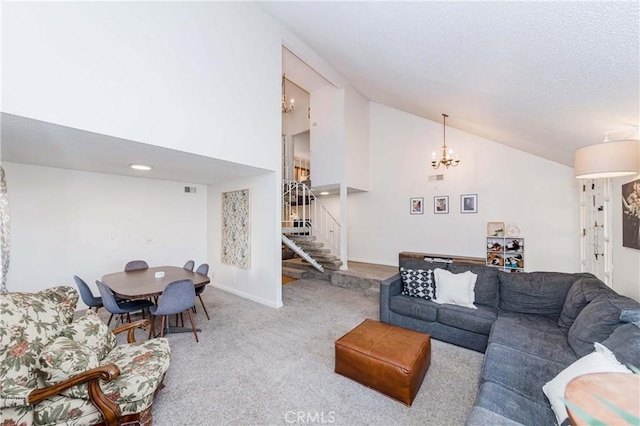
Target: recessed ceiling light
{"x":137,"y":166}
{"x":324,"y":193}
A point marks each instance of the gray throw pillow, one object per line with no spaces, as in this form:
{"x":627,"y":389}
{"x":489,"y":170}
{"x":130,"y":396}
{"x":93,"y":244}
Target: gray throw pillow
{"x":581,"y":293}
{"x":599,"y":319}
{"x":624,"y":342}
{"x":487,"y":283}
{"x":541,"y":293}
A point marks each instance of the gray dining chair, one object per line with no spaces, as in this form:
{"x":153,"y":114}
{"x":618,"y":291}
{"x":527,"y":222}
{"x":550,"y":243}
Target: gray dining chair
{"x":136,"y":265}
{"x":203,"y":270}
{"x":189,"y":265}
{"x":177,"y":297}
{"x":121,"y":308}
{"x":87,"y":296}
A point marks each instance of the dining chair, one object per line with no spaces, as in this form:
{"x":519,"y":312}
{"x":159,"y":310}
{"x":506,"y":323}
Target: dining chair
{"x":87,"y":295}
{"x":136,"y":265}
{"x":189,"y":265}
{"x":177,"y":297}
{"x":204,"y":270}
{"x":112,"y":305}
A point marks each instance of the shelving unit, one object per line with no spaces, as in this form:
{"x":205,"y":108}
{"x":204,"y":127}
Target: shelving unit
{"x":506,"y":253}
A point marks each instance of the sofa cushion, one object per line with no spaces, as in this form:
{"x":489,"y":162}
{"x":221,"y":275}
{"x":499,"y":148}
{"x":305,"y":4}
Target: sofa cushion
{"x":456,"y":289}
{"x":92,"y":333}
{"x":520,"y":372}
{"x":599,"y":319}
{"x":63,"y":358}
{"x":487,"y":284}
{"x":548,"y":345}
{"x":624,"y":342}
{"x":414,"y":307}
{"x":74,"y":411}
{"x":142,"y":367}
{"x":509,"y":404}
{"x":531,"y":321}
{"x":580,"y":294}
{"x":417,"y":283}
{"x":477,"y":320}
{"x":541,"y":293}
{"x":600,"y":361}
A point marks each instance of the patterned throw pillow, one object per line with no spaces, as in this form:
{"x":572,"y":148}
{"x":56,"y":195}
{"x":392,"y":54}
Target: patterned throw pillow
{"x":63,"y":358}
{"x":418,"y":283}
{"x":92,"y":334}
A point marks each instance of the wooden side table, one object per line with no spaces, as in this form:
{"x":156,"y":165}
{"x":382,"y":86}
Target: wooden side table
{"x":620,"y":389}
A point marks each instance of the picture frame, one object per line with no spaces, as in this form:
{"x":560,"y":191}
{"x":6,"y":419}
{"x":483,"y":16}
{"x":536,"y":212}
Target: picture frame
{"x":441,"y":204}
{"x":469,"y":203}
{"x":416,"y":205}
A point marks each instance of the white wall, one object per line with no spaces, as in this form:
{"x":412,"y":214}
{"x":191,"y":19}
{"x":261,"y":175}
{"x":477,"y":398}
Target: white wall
{"x":262,"y":281}
{"x":327,"y":136}
{"x":356,"y":140}
{"x":512,"y":186}
{"x":200,"y":77}
{"x":626,"y":261}
{"x":66,"y":223}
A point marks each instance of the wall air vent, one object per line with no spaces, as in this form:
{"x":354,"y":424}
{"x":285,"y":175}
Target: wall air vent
{"x":435,"y":177}
{"x":190,"y":189}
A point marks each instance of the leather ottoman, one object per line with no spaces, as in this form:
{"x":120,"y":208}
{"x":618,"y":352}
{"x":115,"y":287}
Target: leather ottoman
{"x":390,"y":359}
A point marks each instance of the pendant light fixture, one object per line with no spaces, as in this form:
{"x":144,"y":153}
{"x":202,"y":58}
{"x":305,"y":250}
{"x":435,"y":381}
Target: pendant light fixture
{"x":286,"y":109}
{"x":608,"y":159}
{"x":447,"y":154}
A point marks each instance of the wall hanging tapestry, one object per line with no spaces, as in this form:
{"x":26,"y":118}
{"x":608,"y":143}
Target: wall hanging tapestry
{"x":235,"y":228}
{"x":4,"y":230}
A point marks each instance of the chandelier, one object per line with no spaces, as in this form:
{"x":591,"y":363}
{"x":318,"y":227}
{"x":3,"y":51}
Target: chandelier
{"x":286,"y":109}
{"x":447,"y":155}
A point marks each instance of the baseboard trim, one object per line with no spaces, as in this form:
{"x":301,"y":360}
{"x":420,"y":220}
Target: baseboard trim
{"x":249,"y":296}
{"x":375,"y":262}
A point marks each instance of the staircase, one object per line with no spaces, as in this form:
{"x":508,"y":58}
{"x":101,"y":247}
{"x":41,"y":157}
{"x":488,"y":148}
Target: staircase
{"x":308,"y":228}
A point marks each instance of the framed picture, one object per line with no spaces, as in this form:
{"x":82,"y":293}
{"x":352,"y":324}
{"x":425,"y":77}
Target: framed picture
{"x":416,"y":205}
{"x":441,"y":204}
{"x":631,"y":214}
{"x":469,"y":203}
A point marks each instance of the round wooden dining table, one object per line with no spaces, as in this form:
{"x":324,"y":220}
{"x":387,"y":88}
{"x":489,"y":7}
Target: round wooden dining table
{"x":148,"y":282}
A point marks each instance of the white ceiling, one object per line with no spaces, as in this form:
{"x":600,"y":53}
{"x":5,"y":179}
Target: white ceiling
{"x":35,"y":142}
{"x":544,"y":77}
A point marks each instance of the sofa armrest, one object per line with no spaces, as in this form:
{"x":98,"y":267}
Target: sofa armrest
{"x":390,"y":287}
{"x":131,"y":329}
{"x":109,"y":409}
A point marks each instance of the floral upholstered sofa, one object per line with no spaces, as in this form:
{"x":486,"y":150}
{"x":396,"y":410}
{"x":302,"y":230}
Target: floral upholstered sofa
{"x":57,"y":372}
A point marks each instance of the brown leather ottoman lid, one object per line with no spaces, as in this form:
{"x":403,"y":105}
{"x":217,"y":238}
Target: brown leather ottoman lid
{"x":387,"y":358}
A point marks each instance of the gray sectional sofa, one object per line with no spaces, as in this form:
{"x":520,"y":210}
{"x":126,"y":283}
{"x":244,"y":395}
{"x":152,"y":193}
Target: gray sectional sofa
{"x":530,"y":326}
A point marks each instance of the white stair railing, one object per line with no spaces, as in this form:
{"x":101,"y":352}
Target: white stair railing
{"x":302,"y":213}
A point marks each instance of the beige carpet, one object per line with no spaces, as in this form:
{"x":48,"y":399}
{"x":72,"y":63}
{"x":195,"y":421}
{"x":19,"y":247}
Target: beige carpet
{"x":257,"y":365}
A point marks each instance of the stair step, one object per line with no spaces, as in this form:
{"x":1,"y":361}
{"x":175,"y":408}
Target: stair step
{"x":294,"y":272}
{"x":324,"y":257}
{"x":295,"y":231}
{"x":309,"y":245}
{"x":318,"y":252}
{"x":301,"y":238}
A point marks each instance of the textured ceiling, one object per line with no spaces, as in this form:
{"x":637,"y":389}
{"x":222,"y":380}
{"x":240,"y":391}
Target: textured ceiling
{"x":543,"y":77}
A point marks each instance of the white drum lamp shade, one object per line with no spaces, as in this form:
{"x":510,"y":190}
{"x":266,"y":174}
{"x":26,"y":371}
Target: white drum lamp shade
{"x":607,"y":160}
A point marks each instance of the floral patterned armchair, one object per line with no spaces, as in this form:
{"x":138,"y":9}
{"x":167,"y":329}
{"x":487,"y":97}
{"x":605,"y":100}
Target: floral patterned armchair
{"x":57,"y":372}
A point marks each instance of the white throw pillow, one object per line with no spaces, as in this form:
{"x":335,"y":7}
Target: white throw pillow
{"x":456,"y":289}
{"x":600,"y":361}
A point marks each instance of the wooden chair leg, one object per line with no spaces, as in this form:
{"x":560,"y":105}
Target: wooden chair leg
{"x":195,"y":333}
{"x":204,"y":307}
{"x":152,"y":329}
{"x":162,"y":325}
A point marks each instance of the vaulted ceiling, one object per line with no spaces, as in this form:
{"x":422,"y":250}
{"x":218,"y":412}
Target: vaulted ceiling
{"x":544,"y":77}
